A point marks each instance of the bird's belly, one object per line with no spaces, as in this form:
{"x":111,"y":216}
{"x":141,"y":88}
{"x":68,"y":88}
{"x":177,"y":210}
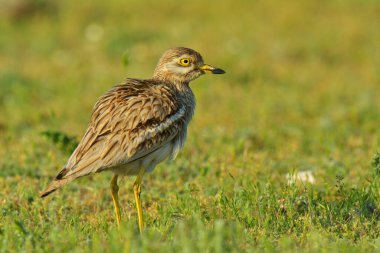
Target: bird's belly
{"x":148,"y":162}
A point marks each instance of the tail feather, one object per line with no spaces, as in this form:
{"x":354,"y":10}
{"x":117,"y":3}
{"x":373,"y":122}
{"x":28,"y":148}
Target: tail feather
{"x":64,"y":177}
{"x":56,"y":184}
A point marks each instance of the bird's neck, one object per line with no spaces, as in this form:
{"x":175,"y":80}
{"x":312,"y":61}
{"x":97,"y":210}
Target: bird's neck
{"x":179,"y":83}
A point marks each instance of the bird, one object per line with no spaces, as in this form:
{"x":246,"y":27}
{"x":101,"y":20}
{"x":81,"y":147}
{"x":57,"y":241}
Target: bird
{"x":138,"y":124}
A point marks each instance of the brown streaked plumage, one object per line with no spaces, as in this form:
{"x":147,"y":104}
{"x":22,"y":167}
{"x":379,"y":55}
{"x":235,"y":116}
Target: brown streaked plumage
{"x":138,"y":124}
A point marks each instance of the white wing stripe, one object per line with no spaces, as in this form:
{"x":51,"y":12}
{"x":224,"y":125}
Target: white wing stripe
{"x":154,"y":130}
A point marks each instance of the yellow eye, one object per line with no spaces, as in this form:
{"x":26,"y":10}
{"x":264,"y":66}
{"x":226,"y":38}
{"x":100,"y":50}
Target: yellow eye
{"x":184,"y":62}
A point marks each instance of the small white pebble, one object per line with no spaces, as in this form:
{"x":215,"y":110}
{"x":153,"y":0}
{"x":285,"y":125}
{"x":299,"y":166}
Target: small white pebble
{"x":301,"y":176}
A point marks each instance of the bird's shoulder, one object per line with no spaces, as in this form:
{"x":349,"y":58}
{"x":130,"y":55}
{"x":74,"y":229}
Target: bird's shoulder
{"x":135,"y":102}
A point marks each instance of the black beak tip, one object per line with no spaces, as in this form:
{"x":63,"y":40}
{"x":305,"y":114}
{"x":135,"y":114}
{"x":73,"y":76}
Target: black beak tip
{"x":218,"y":71}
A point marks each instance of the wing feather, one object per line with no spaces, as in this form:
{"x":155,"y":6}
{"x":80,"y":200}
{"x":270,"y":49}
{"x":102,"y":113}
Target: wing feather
{"x":128,"y":122}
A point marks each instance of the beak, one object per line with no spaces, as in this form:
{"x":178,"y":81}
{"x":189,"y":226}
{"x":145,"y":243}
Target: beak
{"x":208,"y":69}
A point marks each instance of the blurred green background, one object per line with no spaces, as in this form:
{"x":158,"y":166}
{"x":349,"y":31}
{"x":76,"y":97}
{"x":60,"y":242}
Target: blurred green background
{"x":301,"y":93}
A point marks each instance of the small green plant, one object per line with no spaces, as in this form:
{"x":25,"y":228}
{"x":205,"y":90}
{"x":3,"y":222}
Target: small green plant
{"x":376,"y":163}
{"x":125,"y":59}
{"x":64,"y":142}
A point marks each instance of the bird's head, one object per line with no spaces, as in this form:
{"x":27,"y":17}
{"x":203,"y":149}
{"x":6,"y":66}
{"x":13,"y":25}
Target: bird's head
{"x":182,"y":65}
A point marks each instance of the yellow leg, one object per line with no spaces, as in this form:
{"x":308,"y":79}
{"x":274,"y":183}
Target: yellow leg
{"x":115,"y":198}
{"x":137,"y":192}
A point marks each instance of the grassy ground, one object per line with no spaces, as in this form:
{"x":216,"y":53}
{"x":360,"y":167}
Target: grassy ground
{"x":301,"y":94}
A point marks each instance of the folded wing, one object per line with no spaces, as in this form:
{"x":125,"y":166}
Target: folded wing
{"x":128,"y":122}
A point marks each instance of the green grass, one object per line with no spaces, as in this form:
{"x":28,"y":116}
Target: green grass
{"x":301,"y":93}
